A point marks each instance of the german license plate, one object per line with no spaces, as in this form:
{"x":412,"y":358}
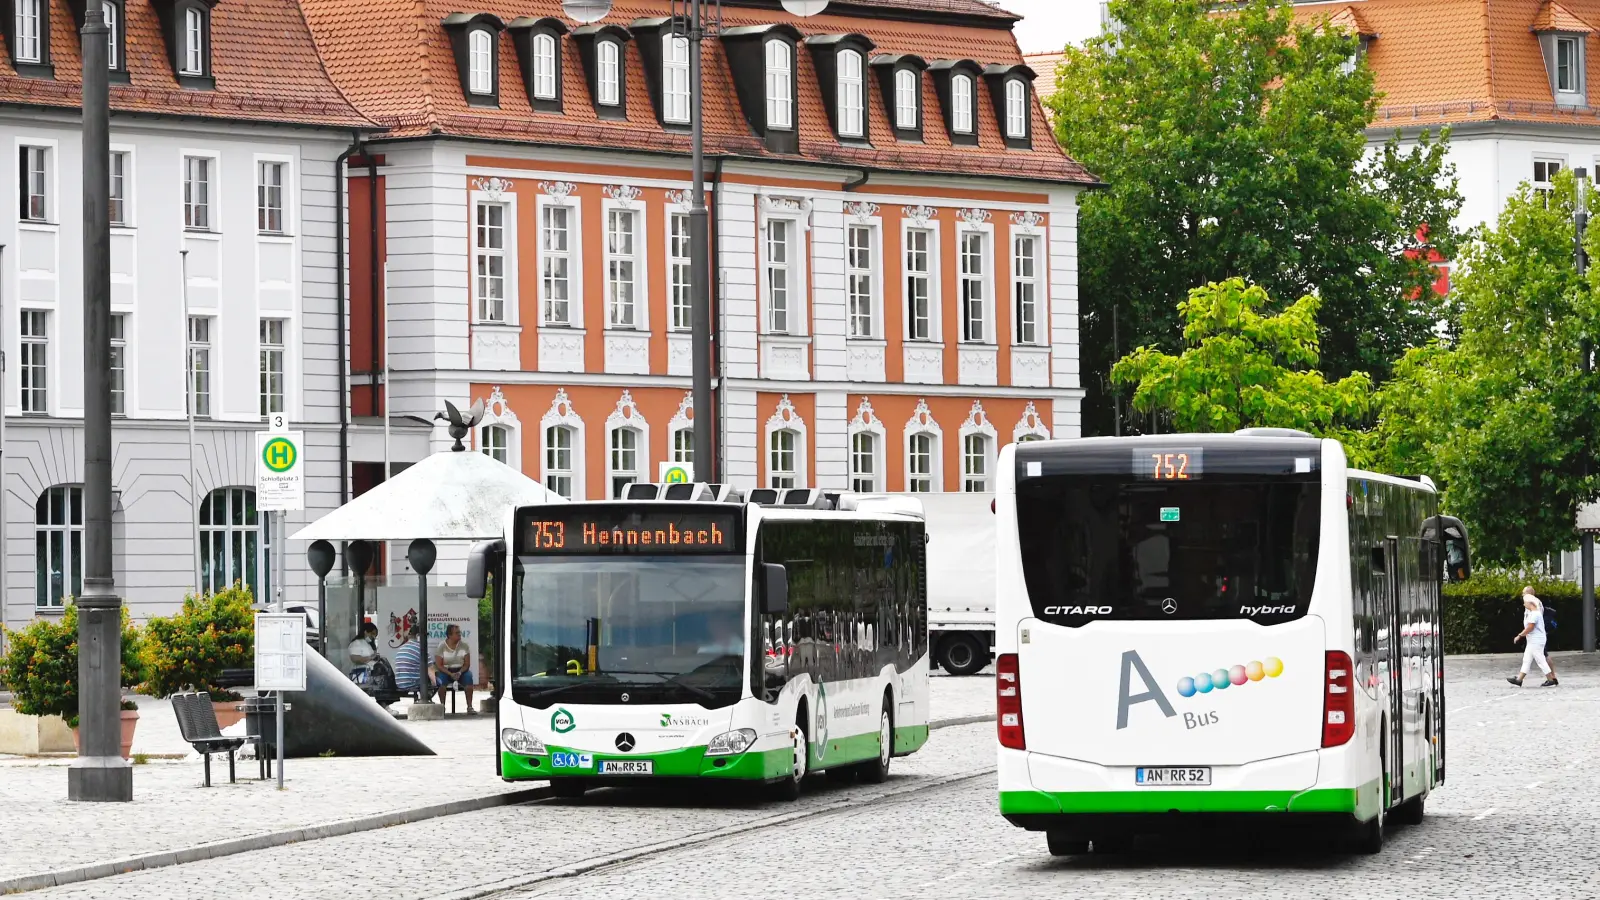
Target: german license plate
{"x":627,"y":767}
{"x":1172,"y":776}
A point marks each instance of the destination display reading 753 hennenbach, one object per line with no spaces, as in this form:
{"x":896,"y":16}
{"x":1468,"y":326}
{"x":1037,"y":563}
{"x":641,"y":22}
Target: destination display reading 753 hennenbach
{"x":602,"y":529}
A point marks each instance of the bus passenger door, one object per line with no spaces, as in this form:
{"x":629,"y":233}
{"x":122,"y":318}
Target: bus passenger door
{"x":1395,"y":659}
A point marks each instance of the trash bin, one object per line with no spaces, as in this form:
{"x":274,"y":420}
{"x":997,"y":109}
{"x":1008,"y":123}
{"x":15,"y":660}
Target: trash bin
{"x":261,"y":725}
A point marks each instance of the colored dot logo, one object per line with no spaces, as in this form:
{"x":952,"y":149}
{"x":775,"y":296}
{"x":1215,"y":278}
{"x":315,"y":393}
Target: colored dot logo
{"x":279,"y":454}
{"x":1221,"y":679}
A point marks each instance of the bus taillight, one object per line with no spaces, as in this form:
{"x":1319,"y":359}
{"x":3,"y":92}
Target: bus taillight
{"x":1008,"y":702}
{"x":1338,"y":701}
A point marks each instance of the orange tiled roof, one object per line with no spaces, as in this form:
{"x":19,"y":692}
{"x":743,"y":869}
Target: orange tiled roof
{"x":1349,"y":19}
{"x":393,"y":59}
{"x":1440,"y":62}
{"x":264,"y":60}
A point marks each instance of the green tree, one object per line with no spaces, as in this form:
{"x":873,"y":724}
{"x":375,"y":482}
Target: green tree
{"x":1236,"y":145}
{"x":1500,"y":412}
{"x":1241,"y":368}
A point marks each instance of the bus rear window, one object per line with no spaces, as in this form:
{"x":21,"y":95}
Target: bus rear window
{"x":1120,"y":547}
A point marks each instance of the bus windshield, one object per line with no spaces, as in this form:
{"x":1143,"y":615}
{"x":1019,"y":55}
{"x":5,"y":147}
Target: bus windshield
{"x":667,"y":629}
{"x":1111,"y":546}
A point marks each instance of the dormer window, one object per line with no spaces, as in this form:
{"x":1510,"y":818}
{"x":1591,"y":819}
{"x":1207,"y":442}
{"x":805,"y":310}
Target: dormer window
{"x":1011,"y":88}
{"x":1568,"y":53}
{"x":1562,"y":39}
{"x":186,"y":26}
{"x":111,"y":13}
{"x":675,"y":79}
{"x":27,"y":31}
{"x":961,"y":100}
{"x":538,"y":44}
{"x":780,"y":85}
{"x":900,"y":79}
{"x":194,"y":42}
{"x":605,"y":62}
{"x":476,"y":42}
{"x":956,"y":83}
{"x":851,"y":90}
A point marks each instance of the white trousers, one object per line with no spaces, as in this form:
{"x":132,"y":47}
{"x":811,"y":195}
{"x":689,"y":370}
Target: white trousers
{"x":1534,"y":654}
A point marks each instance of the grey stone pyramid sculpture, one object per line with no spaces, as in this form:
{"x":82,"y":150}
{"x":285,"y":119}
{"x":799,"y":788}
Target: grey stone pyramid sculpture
{"x":333,"y":714}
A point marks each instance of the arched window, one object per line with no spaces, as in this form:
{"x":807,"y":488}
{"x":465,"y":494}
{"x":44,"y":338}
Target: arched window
{"x":961,"y":102}
{"x":496,"y":443}
{"x":683,"y":446}
{"x":544,"y":67}
{"x":1016,"y":109}
{"x":558,"y":442}
{"x":852,"y":119}
{"x":1030,"y":427}
{"x":627,"y":447}
{"x":786,"y":447}
{"x":923,"y":438}
{"x":906,"y":95}
{"x":866,"y":450}
{"x":978,"y":441}
{"x":624,"y":459}
{"x":781,"y":467}
{"x":780,"y":85}
{"x":228,"y":535}
{"x":610,"y":73}
{"x":58,"y":545}
{"x":480,"y":62}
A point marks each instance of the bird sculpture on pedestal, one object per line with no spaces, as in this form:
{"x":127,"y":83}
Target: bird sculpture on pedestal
{"x":460,"y":425}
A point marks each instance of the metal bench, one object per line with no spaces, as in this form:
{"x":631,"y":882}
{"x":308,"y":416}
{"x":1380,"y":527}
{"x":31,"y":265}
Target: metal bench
{"x":197,"y":722}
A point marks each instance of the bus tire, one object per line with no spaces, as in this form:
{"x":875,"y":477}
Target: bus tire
{"x":568,"y":788}
{"x":788,"y":789}
{"x":1062,"y":843}
{"x":1411,"y":811}
{"x":961,"y":654}
{"x":876,"y":771}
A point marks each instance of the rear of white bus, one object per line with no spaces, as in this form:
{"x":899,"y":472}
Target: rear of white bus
{"x":1170,"y":648}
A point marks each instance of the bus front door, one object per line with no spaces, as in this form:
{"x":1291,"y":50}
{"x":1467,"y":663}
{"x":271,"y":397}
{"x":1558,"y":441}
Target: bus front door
{"x":1395,"y":661}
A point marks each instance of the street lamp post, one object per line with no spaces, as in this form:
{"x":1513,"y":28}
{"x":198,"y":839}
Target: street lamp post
{"x":699,"y":20}
{"x":1580,"y":217}
{"x":100,"y":773}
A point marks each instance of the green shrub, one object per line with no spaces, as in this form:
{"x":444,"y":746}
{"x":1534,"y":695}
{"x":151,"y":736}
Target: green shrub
{"x":189,"y":650}
{"x":40,"y":666}
{"x":1483,"y":614}
{"x":486,"y":629}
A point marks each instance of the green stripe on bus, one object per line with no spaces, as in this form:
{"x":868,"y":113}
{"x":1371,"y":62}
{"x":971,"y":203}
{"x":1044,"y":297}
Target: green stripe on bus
{"x":910,"y":738}
{"x":687,"y":762}
{"x":1316,"y":800}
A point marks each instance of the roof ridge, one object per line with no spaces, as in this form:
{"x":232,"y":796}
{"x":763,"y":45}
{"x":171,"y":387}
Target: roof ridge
{"x":322,"y":64}
{"x":420,"y":22}
{"x":1488,"y":60}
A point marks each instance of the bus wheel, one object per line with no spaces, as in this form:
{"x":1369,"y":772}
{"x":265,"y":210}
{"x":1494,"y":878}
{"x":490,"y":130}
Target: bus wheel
{"x":877,"y":770}
{"x":789,"y":788}
{"x":1410,"y":812}
{"x":959,"y":654}
{"x":568,"y":788}
{"x":1369,"y":835}
{"x":1063,"y":844}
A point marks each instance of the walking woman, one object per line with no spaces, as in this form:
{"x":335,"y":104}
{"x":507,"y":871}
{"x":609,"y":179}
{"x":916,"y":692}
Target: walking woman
{"x":1533,"y":632}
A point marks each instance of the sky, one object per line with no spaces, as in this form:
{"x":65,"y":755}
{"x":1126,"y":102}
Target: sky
{"x":1049,"y":25}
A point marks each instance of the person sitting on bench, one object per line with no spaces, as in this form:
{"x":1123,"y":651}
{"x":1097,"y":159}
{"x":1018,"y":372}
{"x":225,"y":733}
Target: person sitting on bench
{"x":408,"y":663}
{"x":452,"y":664}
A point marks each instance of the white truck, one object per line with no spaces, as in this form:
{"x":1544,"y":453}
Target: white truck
{"x":960,"y":569}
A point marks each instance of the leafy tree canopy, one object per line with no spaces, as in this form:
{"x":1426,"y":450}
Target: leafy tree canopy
{"x":1236,"y":145}
{"x":1499,"y":413}
{"x":1242,"y":368}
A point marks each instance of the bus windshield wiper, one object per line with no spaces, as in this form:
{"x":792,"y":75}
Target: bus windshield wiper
{"x":669,"y":678}
{"x":551,"y":692}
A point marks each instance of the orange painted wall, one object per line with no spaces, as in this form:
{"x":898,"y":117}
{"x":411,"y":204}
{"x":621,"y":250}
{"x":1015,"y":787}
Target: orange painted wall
{"x":894,"y":312}
{"x":895,"y":410}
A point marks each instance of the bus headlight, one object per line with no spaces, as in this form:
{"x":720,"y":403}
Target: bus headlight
{"x":731,"y":742}
{"x":518,"y":741}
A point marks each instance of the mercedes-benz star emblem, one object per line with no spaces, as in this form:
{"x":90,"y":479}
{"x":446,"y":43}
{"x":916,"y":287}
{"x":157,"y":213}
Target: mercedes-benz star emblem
{"x":625,"y":698}
{"x":624,"y":742}
{"x":1169,"y":606}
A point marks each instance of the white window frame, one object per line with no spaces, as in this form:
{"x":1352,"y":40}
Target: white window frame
{"x":1036,"y":283}
{"x":268,"y":349}
{"x":200,"y":331}
{"x":494,"y":441}
{"x":680,"y":287}
{"x":626,"y":417}
{"x":544,"y":66}
{"x":121,"y":186}
{"x":212,"y":205}
{"x":978,"y":425}
{"x":796,"y":308}
{"x":1574,"y":71}
{"x":1547,"y":160}
{"x":27,"y":11}
{"x":934,"y":276}
{"x":59,"y":497}
{"x":1016,"y":109}
{"x":922,"y":424}
{"x":108,"y":12}
{"x":194,"y":41}
{"x":220,"y":532}
{"x":480,"y":62}
{"x":778,"y":55}
{"x":872,"y":227}
{"x":264,"y":198}
{"x":639,"y":258}
{"x":550,"y":439}
{"x":34,"y":393}
{"x":851,"y":98}
{"x":608,"y":72}
{"x":866,"y":422}
{"x":985,"y":280}
{"x":562,"y":414}
{"x":680,"y":430}
{"x":785,"y":418}
{"x":506,"y":252}
{"x":675,"y":79}
{"x":907,"y":99}
{"x":44,"y":154}
{"x":497,"y":414}
{"x":119,"y":361}
{"x":574,"y":257}
{"x":963,"y":108}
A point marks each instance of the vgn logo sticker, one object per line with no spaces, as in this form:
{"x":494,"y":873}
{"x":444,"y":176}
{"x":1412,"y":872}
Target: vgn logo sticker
{"x":561,"y":721}
{"x":1187,"y":686}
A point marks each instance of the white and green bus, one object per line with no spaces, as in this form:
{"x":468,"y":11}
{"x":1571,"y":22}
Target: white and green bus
{"x":699,"y":636}
{"x":1200,"y":626}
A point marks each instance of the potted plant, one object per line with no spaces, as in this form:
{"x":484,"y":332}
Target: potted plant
{"x":41,"y":669}
{"x":190,"y":650}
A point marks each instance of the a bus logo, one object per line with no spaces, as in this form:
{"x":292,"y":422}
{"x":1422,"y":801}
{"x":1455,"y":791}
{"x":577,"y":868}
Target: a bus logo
{"x":561,"y":721}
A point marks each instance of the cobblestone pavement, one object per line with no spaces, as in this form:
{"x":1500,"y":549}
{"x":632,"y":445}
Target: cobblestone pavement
{"x":1515,"y":820}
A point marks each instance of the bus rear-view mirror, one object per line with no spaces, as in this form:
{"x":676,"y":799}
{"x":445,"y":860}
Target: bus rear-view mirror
{"x":479,"y":562}
{"x":775,"y":579}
